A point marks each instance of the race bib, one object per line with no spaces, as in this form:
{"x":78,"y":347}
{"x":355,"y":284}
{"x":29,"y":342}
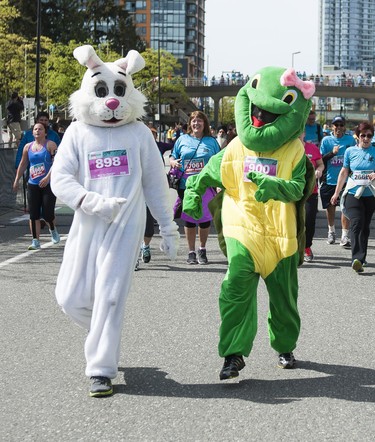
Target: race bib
{"x":107,"y":163}
{"x":192,"y":167}
{"x":337,"y":161}
{"x":267,"y":166}
{"x":361,"y":177}
{"x":37,"y":171}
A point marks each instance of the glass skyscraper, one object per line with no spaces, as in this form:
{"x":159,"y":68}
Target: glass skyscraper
{"x":347,"y":35}
{"x":178,"y":26}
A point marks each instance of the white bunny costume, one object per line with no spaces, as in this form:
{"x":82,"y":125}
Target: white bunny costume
{"x":107,"y":168}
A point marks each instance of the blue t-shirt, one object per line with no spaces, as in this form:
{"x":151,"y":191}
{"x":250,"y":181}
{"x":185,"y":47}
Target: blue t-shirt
{"x":334,"y":164}
{"x":192,"y":163}
{"x":360,"y":162}
{"x":313,"y":134}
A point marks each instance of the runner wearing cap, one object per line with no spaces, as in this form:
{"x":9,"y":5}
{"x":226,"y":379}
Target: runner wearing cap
{"x":332,"y":149}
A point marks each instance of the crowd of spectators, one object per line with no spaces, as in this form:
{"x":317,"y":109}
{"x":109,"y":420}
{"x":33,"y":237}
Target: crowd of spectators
{"x":342,"y":79}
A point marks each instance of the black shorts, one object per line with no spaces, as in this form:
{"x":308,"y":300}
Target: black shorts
{"x":41,"y":202}
{"x":326,"y":193}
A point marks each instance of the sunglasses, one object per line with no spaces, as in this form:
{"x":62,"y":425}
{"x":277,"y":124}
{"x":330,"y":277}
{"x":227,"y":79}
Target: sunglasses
{"x":369,"y":136}
{"x":339,"y":125}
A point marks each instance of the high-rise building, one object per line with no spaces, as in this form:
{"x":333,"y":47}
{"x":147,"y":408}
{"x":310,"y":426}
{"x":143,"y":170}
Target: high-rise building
{"x":177,"y":26}
{"x":347,"y":35}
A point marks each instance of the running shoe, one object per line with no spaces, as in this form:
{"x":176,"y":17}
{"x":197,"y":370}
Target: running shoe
{"x":309,"y":256}
{"x":233,"y":364}
{"x":146,"y":254}
{"x":55,"y":237}
{"x":100,"y":386}
{"x":331,"y":238}
{"x":202,"y":257}
{"x":345,"y":242}
{"x":286,"y":360}
{"x":136,"y":268}
{"x":192,"y":258}
{"x":357,"y":266}
{"x":35,"y":244}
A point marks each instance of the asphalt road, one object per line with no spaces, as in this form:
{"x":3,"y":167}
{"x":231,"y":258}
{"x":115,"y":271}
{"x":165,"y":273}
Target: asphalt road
{"x":168,"y":387}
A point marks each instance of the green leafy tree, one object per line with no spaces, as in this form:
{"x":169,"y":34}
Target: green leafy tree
{"x":147,"y":78}
{"x":64,"y":20}
{"x":93,"y":21}
{"x":11,"y":52}
{"x":63,"y":74}
{"x":226,"y":110}
{"x":122,"y":33}
{"x":25,"y":22}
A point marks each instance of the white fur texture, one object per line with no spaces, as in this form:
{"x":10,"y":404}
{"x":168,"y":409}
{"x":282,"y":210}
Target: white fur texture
{"x":98,"y":101}
{"x":110,"y":208}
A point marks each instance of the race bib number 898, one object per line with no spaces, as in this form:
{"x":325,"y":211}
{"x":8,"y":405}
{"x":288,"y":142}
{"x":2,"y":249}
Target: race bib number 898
{"x":108,"y":163}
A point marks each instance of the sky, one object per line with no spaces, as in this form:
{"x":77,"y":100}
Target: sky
{"x":246,"y":35}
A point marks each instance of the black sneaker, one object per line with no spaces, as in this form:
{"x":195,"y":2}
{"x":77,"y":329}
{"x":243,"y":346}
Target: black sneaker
{"x":192,"y":258}
{"x":232,"y":365}
{"x":286,"y":360}
{"x":202,"y":257}
{"x":100,"y":386}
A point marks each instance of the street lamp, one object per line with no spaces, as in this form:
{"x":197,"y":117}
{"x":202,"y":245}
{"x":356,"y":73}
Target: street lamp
{"x":159,"y":91}
{"x":37,"y":66}
{"x":159,"y":77}
{"x":293,"y":54}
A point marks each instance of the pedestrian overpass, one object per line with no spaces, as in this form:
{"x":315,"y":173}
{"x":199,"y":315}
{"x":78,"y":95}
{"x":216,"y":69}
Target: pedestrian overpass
{"x":217,"y":92}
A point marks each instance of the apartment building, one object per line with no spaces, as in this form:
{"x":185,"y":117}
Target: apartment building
{"x":178,"y":26}
{"x":347,"y":35}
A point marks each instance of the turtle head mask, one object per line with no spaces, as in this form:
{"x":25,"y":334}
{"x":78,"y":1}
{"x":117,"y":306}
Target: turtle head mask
{"x":272,"y":108}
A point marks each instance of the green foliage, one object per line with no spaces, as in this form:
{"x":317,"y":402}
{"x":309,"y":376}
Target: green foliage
{"x":66,"y":25}
{"x":147,"y":79}
{"x":63,"y":73}
{"x":8,"y":14}
{"x":226,"y":110}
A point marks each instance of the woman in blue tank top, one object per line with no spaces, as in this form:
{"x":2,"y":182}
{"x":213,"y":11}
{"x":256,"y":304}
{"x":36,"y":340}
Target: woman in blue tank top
{"x":38,"y":156}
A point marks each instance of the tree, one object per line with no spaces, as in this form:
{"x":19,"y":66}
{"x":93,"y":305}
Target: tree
{"x":11,"y":52}
{"x":93,"y":21}
{"x":226,"y":110}
{"x":25,"y":23}
{"x":122,"y":33}
{"x":63,"y":21}
{"x":147,"y":78}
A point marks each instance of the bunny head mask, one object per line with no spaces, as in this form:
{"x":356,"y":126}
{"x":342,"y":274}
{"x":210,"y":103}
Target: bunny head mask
{"x":107,"y":96}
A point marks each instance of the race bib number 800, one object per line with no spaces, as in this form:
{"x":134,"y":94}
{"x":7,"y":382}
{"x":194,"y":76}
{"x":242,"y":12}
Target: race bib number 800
{"x":108,"y":163}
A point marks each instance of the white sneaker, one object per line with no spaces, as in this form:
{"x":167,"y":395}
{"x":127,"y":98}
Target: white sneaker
{"x":35,"y":244}
{"x":345,"y":242}
{"x":55,"y":237}
{"x":331,"y":238}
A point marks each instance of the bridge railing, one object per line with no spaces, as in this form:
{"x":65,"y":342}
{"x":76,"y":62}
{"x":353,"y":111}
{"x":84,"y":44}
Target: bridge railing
{"x":320,"y":81}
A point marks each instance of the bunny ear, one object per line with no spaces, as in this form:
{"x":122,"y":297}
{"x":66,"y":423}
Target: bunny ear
{"x":132,"y":63}
{"x":86,"y":56}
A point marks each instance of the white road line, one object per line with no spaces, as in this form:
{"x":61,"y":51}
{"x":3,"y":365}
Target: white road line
{"x":25,"y":217}
{"x":29,"y":252}
{"x":18,"y":219}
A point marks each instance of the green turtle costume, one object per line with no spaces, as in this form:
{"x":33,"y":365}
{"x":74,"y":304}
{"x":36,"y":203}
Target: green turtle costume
{"x":265,"y":179}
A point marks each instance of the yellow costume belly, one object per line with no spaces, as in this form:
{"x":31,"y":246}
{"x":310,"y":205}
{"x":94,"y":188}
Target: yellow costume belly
{"x":268,"y":230}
